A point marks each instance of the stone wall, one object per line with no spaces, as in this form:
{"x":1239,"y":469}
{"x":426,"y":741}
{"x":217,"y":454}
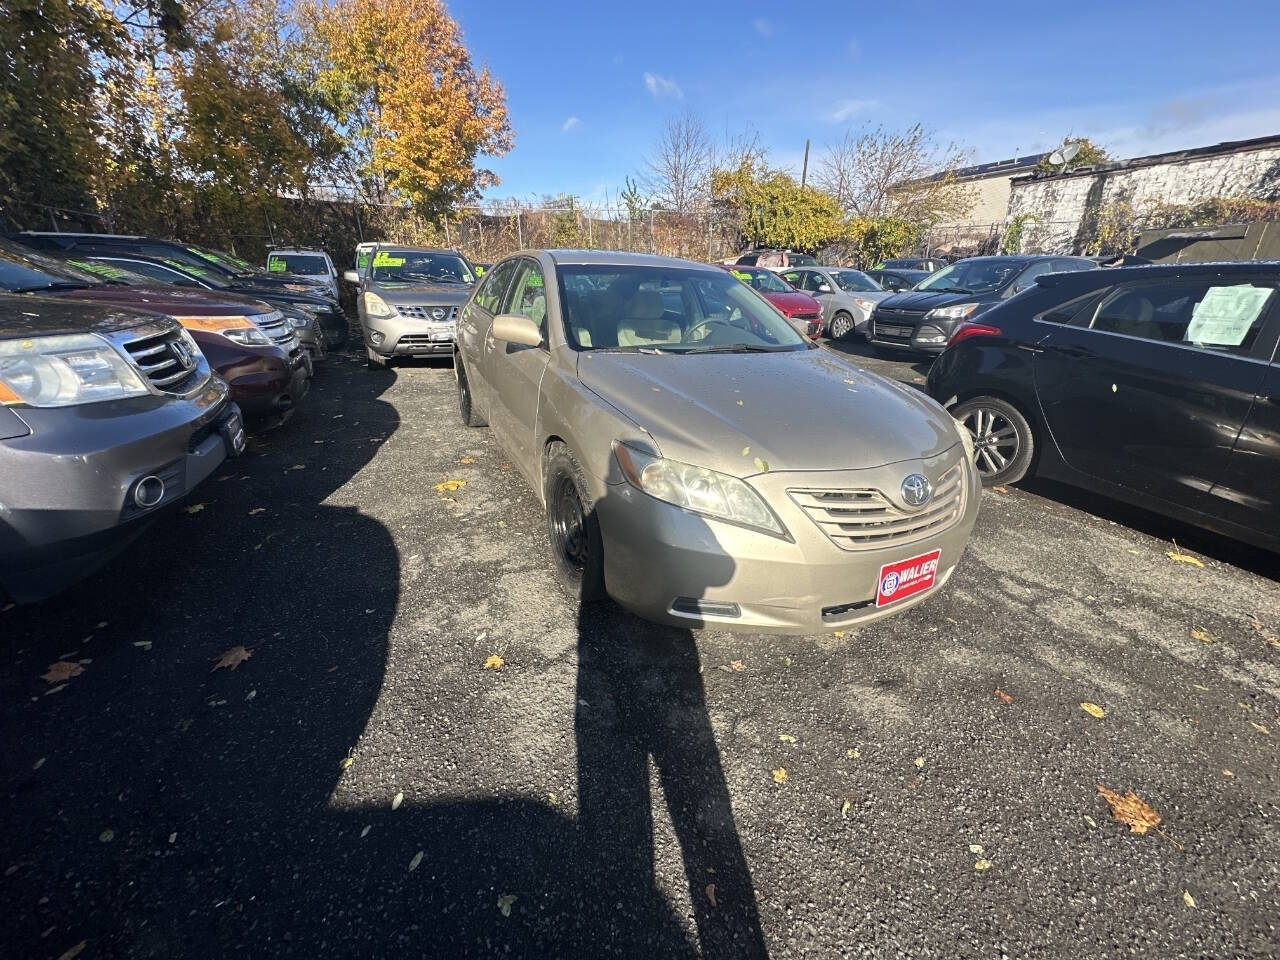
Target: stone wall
{"x":1062,"y":204}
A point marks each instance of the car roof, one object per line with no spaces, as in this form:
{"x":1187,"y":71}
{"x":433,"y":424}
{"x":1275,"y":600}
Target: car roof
{"x":407,"y":248}
{"x":618,"y":259}
{"x":99,"y":236}
{"x":308,"y":250}
{"x":1164,"y":271}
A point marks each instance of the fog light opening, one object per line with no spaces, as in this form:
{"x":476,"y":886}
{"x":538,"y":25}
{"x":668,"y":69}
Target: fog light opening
{"x":148,"y":492}
{"x":377,"y":336}
{"x":690,"y":606}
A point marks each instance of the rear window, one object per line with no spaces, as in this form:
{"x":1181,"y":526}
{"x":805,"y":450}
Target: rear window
{"x":307,"y":264}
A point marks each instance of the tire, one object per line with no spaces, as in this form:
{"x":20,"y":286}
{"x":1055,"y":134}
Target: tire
{"x":841,"y":326}
{"x":573,"y":531}
{"x":465,"y":409}
{"x":375,"y":360}
{"x":1003,"y":440}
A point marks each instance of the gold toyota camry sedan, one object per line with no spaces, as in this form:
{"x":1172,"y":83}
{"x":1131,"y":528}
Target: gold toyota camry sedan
{"x":699,"y":461}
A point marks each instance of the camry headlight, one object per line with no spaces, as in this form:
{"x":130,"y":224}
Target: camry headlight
{"x":375,"y":306}
{"x":697,"y":489}
{"x":238,"y":329}
{"x":65,"y":370}
{"x":957,"y":311}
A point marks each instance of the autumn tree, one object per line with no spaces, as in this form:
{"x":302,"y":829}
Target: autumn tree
{"x":677,"y":173}
{"x":772,"y":210}
{"x":414,"y":112}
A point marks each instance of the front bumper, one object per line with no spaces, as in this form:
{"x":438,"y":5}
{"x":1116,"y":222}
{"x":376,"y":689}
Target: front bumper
{"x":69,"y":485}
{"x":269,"y":384}
{"x":670,"y":566}
{"x":926,"y":336}
{"x":401,"y":336}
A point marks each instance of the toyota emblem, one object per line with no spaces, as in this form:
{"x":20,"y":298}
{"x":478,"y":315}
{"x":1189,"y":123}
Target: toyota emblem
{"x":438,"y":313}
{"x":916,"y":490}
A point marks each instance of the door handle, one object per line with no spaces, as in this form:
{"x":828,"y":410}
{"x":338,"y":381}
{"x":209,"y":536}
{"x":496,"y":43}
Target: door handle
{"x":1071,"y":351}
{"x":1030,"y":349}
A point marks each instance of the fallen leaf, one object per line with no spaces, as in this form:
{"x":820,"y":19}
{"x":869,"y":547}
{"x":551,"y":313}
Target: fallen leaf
{"x":786,"y":661}
{"x":173,"y":837}
{"x":347,"y":761}
{"x":417,"y":859}
{"x":737,"y":666}
{"x":144,"y":644}
{"x":1204,"y":636}
{"x":1178,"y":557}
{"x":853,"y":754}
{"x":739,"y":403}
{"x":506,"y":467}
{"x":494,"y":662}
{"x":467,"y":460}
{"x":746,"y":451}
{"x":61,"y":670}
{"x":504,"y":904}
{"x":194,"y":508}
{"x":365,"y":832}
{"x":920,"y":763}
{"x":232,"y":658}
{"x":1003,"y":696}
{"x":786,"y":738}
{"x":838,"y":634}
{"x":1227,"y":773}
{"x":1092,"y":709}
{"x":711,"y":894}
{"x":450,"y":485}
{"x":555,"y":802}
{"x":780,"y":775}
{"x":1259,"y":727}
{"x":257,"y":510}
{"x":1130,"y":810}
{"x":73,"y":952}
{"x":250,"y":695}
{"x":975,"y":848}
{"x":107,"y":835}
{"x":1000,"y":489}
{"x":396,"y":801}
{"x":38,"y":764}
{"x":981,"y":865}
{"x":297,"y":466}
{"x":761,"y":465}
{"x":1090,"y":821}
{"x":844,"y":809}
{"x":1188,"y":899}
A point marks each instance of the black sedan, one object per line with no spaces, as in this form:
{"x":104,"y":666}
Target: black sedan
{"x":922,"y":320}
{"x":1155,"y":385}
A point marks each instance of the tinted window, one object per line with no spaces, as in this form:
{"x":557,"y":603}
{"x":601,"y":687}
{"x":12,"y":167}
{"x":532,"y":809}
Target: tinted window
{"x":156,"y":271}
{"x":854,"y":281}
{"x":23,"y":269}
{"x":1067,"y":265}
{"x":307,"y":264}
{"x":528,"y":297}
{"x":979,"y":275}
{"x":489,"y":296}
{"x":801,"y":260}
{"x":748,"y":259}
{"x":1079,"y":309}
{"x":1028,"y":276}
{"x":1219,"y":317}
{"x":765,"y":281}
{"x":417,"y":266}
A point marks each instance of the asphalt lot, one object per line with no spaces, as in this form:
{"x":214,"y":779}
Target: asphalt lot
{"x":615,"y":778}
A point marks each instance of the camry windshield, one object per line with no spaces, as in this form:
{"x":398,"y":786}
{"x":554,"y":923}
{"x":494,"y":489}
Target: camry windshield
{"x":854,"y":281}
{"x":23,"y":270}
{"x":979,"y":275}
{"x":669,"y":310}
{"x":417,"y":266}
{"x":765,"y":281}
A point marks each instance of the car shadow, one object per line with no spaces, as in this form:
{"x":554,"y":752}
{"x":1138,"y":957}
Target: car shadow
{"x":159,"y":806}
{"x":899,"y":364}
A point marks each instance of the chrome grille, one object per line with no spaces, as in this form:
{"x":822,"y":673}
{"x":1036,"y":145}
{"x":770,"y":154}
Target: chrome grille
{"x":863,"y":519}
{"x":423,"y":312}
{"x":275,"y":326}
{"x":425,"y":341}
{"x":166,"y":366}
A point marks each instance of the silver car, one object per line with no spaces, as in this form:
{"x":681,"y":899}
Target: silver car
{"x":699,"y":461}
{"x":408,"y":300}
{"x":848,"y":297}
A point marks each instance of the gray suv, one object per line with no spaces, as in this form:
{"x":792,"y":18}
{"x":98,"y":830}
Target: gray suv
{"x":409,"y":300}
{"x":107,"y":415}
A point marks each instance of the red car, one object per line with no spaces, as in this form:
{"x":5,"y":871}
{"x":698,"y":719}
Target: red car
{"x":804,"y":312}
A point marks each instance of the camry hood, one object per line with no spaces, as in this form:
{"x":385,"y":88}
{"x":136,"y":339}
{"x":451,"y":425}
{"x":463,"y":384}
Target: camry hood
{"x":791,"y":411}
{"x":793,"y":303}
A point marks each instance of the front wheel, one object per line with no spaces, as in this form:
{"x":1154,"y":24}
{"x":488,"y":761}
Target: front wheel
{"x":841,"y":325}
{"x":466,"y":402}
{"x":1003,"y":443}
{"x":573,"y":530}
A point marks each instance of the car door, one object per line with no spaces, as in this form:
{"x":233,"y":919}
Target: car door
{"x":1134,"y":394}
{"x":514,"y":371}
{"x":473,"y":329}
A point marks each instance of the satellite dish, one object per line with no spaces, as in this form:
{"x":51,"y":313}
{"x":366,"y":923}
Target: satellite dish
{"x":1069,"y":151}
{"x":1057,"y":159}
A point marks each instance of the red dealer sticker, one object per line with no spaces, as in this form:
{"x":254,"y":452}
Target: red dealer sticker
{"x":907,"y":578}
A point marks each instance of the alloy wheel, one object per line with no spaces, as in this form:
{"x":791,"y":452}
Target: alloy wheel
{"x":995,"y":439}
{"x":841,"y":324}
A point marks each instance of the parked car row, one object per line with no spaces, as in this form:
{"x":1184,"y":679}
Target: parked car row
{"x":128,"y":367}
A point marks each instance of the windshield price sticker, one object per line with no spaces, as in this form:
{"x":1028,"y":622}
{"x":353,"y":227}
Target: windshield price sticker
{"x":275,"y":265}
{"x":535,"y":280}
{"x":1225,"y":315}
{"x":381,"y":259}
{"x":906,"y":578}
{"x":741,"y":274}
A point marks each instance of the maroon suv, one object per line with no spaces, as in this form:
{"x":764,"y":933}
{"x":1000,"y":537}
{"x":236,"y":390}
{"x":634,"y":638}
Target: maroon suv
{"x":247,"y":342}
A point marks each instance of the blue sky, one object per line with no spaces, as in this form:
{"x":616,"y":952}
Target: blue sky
{"x":589,"y":84}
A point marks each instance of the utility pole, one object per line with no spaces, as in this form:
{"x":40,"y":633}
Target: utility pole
{"x":804,"y":173}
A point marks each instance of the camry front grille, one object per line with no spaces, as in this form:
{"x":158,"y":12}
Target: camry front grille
{"x":865,"y":519}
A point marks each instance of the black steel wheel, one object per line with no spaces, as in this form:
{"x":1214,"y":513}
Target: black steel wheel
{"x":466,"y":408}
{"x":573,"y":531}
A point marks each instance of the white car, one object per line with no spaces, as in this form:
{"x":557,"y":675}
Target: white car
{"x":312,"y":264}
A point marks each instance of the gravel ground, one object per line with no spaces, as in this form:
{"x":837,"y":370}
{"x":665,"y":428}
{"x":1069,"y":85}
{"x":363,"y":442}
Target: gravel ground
{"x":363,"y":786}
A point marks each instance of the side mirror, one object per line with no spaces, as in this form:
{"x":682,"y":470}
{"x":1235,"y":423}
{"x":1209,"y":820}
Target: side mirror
{"x":515,"y":328}
{"x":350,"y":276}
{"x":824,"y":288}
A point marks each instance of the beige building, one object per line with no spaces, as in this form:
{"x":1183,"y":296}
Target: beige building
{"x":990,"y":184}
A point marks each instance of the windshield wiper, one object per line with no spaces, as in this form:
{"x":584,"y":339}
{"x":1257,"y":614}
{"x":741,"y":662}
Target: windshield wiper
{"x":945,"y":290}
{"x":56,"y":285}
{"x":733,"y":348}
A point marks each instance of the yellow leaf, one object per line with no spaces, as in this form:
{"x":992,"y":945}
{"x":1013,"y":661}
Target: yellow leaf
{"x":853,"y":754}
{"x":504,"y":904}
{"x":1130,"y":810}
{"x":194,"y":508}
{"x":746,"y":451}
{"x":762,"y":465}
{"x":1090,"y":821}
{"x":737,"y":666}
{"x":786,"y":738}
{"x":467,"y":460}
{"x":838,"y":634}
{"x":1259,"y":727}
{"x":780,"y":775}
{"x":397,"y":800}
{"x":450,"y":485}
{"x":981,"y":865}
{"x":1178,"y":557}
{"x":1188,"y":899}
{"x":1204,"y":636}
{"x":555,"y":802}
{"x":1092,"y":709}
{"x":346,"y":762}
{"x":739,"y":403}
{"x":975,"y":848}
{"x":844,"y":810}
{"x":494,"y":662}
{"x":920,"y":763}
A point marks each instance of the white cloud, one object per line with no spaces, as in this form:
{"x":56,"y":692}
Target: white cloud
{"x":763,"y":26}
{"x":572,"y":123}
{"x":844,"y":110}
{"x":660,"y":86}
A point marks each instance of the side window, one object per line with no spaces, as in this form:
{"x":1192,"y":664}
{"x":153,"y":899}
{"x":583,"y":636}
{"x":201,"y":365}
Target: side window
{"x":528,"y":296}
{"x":795,"y":278}
{"x":493,"y":286}
{"x":1223,"y":318}
{"x":1065,"y":265}
{"x":817,"y":281}
{"x":1079,"y":309}
{"x":749,"y":260}
{"x":157,"y":272}
{"x":1028,"y":276}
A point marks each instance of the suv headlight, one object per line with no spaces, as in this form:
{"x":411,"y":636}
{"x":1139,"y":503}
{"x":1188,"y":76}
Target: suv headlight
{"x":63,"y":371}
{"x":957,"y":311}
{"x":236,"y":329}
{"x":300,"y":322}
{"x":696,"y":489}
{"x":375,"y":306}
